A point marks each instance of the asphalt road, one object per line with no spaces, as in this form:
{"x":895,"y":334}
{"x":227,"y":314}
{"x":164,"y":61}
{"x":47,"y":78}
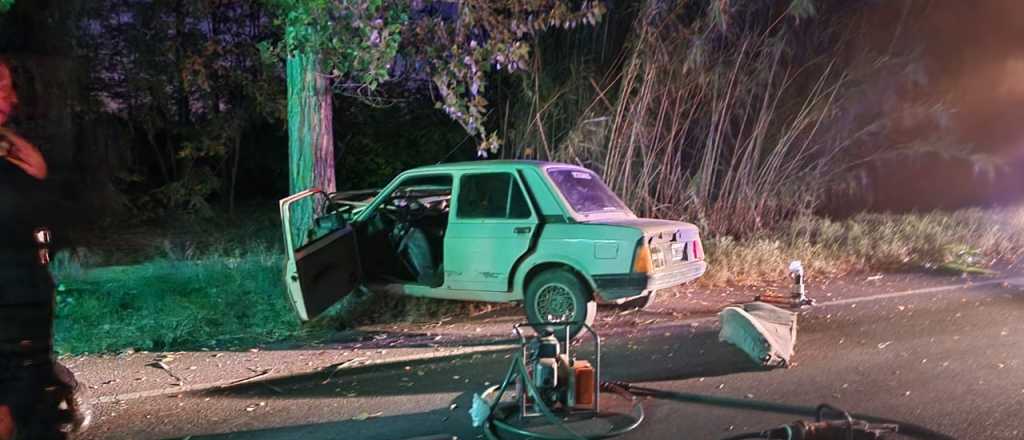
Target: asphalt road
{"x":951,"y":360}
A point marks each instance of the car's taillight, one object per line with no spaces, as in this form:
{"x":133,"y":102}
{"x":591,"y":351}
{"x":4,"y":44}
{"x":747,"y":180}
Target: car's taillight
{"x":698,"y":250}
{"x":642,"y":259}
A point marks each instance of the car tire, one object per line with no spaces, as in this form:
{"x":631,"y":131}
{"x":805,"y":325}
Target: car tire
{"x":556,"y":289}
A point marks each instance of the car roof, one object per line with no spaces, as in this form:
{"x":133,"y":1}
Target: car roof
{"x":491,"y":165}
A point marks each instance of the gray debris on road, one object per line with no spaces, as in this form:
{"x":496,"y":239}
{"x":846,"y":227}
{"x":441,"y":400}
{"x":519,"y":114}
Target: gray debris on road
{"x":767,"y":334}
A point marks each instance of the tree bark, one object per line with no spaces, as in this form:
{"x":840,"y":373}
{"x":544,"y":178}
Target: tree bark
{"x":310,"y":137}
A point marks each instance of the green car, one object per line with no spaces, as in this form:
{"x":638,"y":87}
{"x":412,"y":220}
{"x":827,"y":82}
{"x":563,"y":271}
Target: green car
{"x":549,"y":235}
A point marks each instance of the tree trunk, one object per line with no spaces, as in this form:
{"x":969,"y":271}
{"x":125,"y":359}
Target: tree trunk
{"x":310,"y":137}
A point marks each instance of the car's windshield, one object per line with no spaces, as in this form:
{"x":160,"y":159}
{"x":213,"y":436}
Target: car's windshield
{"x":585,"y":191}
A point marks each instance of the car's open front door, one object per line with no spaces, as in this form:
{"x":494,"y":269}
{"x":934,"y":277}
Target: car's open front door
{"x":321,"y":272}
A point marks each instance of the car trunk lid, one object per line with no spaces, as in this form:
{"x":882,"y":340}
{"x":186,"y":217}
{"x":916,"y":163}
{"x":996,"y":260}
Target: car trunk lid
{"x":671,"y":243}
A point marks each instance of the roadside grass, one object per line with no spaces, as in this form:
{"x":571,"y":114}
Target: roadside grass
{"x":213,"y":303}
{"x":224,"y":290}
{"x":965,"y":241}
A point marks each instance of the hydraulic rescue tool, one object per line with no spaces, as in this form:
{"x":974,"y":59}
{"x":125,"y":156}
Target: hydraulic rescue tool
{"x":557,"y":395}
{"x":549,"y":382}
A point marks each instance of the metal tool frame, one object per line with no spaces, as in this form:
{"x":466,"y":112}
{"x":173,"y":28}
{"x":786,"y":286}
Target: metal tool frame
{"x":521,"y":392}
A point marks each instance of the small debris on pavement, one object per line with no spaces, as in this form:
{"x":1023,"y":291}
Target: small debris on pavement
{"x":884,"y":344}
{"x":366,"y":415}
{"x":246,"y":379}
{"x":253,"y":406}
{"x":159,"y":364}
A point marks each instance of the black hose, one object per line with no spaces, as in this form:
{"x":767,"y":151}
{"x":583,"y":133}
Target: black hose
{"x":908,"y":429}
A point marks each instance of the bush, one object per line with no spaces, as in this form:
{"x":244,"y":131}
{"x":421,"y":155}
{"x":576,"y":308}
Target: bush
{"x":962,"y":241}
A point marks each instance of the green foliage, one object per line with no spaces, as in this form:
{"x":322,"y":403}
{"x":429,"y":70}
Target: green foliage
{"x":356,"y":40}
{"x":5,"y":5}
{"x":359,"y":40}
{"x":193,"y":87}
{"x":378,"y":152}
{"x":488,"y":35}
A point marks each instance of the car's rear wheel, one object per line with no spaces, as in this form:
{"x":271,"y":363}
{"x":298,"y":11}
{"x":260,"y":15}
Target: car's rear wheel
{"x":558,"y":295}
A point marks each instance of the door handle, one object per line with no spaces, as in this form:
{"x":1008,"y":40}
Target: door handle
{"x":522,"y":229}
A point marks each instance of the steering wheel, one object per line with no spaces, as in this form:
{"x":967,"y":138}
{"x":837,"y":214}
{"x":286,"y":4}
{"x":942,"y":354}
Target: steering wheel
{"x":404,"y":210}
{"x":414,"y":210}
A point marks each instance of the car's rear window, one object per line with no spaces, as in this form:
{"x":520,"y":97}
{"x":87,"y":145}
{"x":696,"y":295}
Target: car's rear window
{"x":585,"y":191}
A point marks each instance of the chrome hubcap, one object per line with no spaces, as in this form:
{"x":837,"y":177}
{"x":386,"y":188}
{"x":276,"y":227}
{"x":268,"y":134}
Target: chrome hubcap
{"x":556,"y":303}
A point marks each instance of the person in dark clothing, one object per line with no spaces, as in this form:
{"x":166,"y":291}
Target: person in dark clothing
{"x":37,"y":394}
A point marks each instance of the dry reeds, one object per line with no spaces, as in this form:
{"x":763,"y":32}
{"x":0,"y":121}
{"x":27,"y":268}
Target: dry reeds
{"x":724,"y":136}
{"x":692,"y":121}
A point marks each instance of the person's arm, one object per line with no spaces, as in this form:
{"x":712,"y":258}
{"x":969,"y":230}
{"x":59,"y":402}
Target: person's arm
{"x":20,"y":152}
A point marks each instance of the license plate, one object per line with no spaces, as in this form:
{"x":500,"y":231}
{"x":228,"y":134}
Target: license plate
{"x":678,"y":251}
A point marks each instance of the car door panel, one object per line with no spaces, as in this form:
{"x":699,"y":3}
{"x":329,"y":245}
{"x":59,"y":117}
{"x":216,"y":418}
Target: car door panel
{"x":320,"y":273}
{"x":481,"y":252}
{"x":328,"y":270}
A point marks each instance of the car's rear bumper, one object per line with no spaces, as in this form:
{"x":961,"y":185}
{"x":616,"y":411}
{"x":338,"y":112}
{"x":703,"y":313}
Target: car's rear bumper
{"x":613,"y":288}
{"x":677,"y":275}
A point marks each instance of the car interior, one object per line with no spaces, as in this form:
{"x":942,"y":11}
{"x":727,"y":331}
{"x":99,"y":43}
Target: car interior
{"x":412,"y":221}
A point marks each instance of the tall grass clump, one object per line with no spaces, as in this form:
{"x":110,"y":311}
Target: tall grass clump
{"x":735,"y":115}
{"x":968,"y":240}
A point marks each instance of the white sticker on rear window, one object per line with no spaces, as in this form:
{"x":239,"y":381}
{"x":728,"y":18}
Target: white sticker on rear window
{"x":581,"y":175}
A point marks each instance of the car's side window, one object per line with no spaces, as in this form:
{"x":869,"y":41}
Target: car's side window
{"x":517,"y":206}
{"x":491,"y":195}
